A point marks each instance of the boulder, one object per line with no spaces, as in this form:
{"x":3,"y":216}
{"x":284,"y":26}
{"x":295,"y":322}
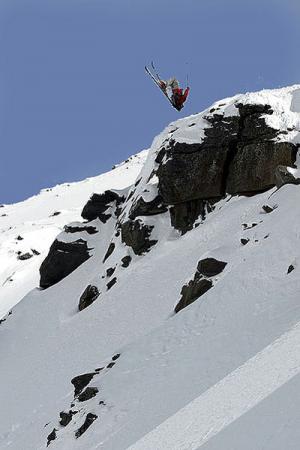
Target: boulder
{"x":126,"y":260}
{"x":63,"y":258}
{"x":98,"y":204}
{"x":210,"y":267}
{"x":88,"y":297}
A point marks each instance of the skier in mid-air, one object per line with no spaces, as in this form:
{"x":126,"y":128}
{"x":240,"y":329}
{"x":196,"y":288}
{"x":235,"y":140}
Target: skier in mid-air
{"x":178,"y":96}
{"x":170,"y":88}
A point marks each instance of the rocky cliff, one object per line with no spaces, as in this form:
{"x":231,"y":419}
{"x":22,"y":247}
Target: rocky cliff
{"x":240,"y":146}
{"x":175,"y":277}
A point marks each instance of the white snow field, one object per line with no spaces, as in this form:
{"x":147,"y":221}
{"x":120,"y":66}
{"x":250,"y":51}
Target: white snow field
{"x":222,"y":374}
{"x":245,"y":387}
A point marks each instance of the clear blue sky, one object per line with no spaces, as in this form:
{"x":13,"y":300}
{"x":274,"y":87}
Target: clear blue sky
{"x":74,"y":98}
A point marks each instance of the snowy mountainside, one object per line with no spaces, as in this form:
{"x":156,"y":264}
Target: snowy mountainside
{"x":28,"y":228}
{"x":169,"y":284}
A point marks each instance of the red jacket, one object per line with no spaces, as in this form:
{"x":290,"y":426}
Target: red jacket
{"x":179,"y":97}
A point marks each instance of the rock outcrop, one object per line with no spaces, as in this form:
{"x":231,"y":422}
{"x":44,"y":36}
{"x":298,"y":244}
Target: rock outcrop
{"x":88,"y":297}
{"x":201,"y":283}
{"x":136,"y":235}
{"x":63,"y":258}
{"x":239,"y":154}
{"x":102,"y":206}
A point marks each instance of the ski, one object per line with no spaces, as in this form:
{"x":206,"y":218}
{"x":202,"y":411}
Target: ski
{"x":155,"y":71}
{"x":157,"y":82}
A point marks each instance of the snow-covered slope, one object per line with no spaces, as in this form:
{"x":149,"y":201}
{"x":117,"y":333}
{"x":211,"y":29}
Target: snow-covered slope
{"x":28,"y":228}
{"x":152,"y":378}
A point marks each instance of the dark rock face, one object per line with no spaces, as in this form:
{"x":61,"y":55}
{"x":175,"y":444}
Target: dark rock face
{"x":192,"y":172}
{"x":136,"y":235}
{"x":87,"y":394}
{"x":291,"y":268}
{"x":81,"y":381}
{"x":126,"y":261}
{"x":90,"y":418}
{"x":142,"y":208}
{"x":254,"y":165}
{"x":98,"y":205}
{"x":192,"y":291}
{"x":238,"y":155}
{"x":210,"y":267}
{"x":77,"y":229}
{"x":283,"y":176}
{"x":88,"y":297}
{"x":62,"y":259}
{"x":183,"y":215}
